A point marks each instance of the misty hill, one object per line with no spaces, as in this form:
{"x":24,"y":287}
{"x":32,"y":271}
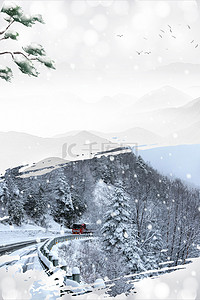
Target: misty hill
{"x":116,"y":102}
{"x":21,"y":148}
{"x":134,"y":135}
{"x":169,"y":120}
{"x":188,"y":135}
{"x":165,"y":97}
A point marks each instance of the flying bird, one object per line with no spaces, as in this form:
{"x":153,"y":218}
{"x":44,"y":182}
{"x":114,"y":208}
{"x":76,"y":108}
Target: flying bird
{"x":145,"y":38}
{"x":160,"y":36}
{"x":192,"y":41}
{"x":197,"y":45}
{"x":162,"y":30}
{"x":147,"y":52}
{"x":174,"y":36}
{"x":120,"y":35}
{"x":188,"y":26}
{"x":139,"y":52}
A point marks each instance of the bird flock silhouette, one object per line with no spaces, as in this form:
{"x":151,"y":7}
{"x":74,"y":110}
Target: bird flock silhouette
{"x":162,"y":34}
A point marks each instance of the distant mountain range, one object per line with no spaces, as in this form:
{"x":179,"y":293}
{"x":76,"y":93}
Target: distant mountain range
{"x":20,"y":148}
{"x":163,"y":98}
{"x":169,"y":124}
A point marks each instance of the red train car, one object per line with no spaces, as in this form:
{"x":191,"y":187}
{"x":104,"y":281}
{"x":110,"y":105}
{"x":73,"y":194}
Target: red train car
{"x":80,"y":229}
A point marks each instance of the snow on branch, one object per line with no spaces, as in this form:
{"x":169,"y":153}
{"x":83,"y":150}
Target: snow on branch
{"x":49,"y":63}
{"x":23,"y":59}
{"x":26,"y":66}
{"x":15,"y":13}
{"x":6,"y":73}
{"x":34,"y":49}
{"x":11,"y":34}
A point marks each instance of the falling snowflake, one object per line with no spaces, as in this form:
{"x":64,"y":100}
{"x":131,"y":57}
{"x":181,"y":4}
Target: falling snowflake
{"x":113,"y":214}
{"x":125,"y":235}
{"x":175,"y":135}
{"x":149,"y":227}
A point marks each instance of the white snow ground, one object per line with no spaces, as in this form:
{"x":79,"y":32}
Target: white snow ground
{"x":181,"y":284}
{"x":22,"y":277}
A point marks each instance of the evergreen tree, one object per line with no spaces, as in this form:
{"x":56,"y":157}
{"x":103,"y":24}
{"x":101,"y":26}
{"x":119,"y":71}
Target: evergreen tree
{"x":118,"y":237}
{"x":13,"y":199}
{"x":63,"y":210}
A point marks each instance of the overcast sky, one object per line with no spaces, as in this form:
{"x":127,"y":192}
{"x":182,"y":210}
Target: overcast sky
{"x":94,"y":61}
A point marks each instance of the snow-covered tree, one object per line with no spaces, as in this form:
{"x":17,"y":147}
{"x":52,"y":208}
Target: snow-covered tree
{"x":118,"y":235}
{"x":63,"y":209}
{"x":28,"y":55}
{"x":13,"y":199}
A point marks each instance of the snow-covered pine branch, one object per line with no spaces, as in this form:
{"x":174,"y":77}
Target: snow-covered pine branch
{"x":26,"y":66}
{"x":11,"y":34}
{"x":34,"y":49}
{"x":24,"y":59}
{"x":16,"y":14}
{"x":6,"y":73}
{"x":48,"y":62}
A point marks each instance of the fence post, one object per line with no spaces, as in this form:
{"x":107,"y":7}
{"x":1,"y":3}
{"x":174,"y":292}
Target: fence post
{"x":76,"y":274}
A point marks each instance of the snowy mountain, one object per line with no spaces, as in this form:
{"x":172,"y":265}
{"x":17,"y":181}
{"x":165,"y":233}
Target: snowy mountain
{"x":134,"y":135}
{"x":194,"y":91}
{"x":45,"y":166}
{"x":165,"y":97}
{"x":118,"y":101}
{"x":21,"y":148}
{"x":188,"y":135}
{"x":68,"y":133}
{"x":168,"y":120}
